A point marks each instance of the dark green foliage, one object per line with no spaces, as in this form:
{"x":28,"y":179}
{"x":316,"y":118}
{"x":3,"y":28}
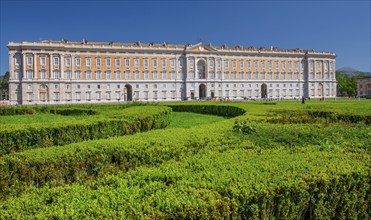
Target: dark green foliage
{"x":221,"y":110}
{"x":242,"y":126}
{"x":14,"y":140}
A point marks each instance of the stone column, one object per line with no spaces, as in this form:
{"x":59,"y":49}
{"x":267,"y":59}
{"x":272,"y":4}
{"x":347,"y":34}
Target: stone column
{"x":34,"y":66}
{"x":51,"y":76}
{"x":73,"y":66}
{"x":23,"y":65}
{"x":61,"y":64}
{"x":11,"y":66}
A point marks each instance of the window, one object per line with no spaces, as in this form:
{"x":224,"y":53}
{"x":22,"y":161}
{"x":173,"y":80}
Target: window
{"x":256,"y":75}
{"x":219,"y":75}
{"x":283,"y":66}
{"x":256,"y":65}
{"x":98,"y":75}
{"x":118,"y":75}
{"x":88,"y":96}
{"x":249,"y":75}
{"x":88,"y":74}
{"x":43,"y":74}
{"x":276,"y":66}
{"x":211,"y":63}
{"x":172,"y":75}
{"x":172,"y":61}
{"x":180,"y":62}
{"x":181,"y":75}
{"x":29,"y":60}
{"x":163,"y":62}
{"x":249,"y":64}
{"x":234,"y":64}
{"x":68,"y":74}
{"x":263,"y":64}
{"x":29,"y":74}
{"x":241,"y":64}
{"x":127,"y":62}
{"x":56,"y":74}
{"x":154,"y":75}
{"x":290,"y":65}
{"x":263,"y":75}
{"x":98,"y":96}
{"x":97,"y":61}
{"x":154,"y":62}
{"x":211,"y":75}
{"x":191,"y":63}
{"x":127,"y":74}
{"x":98,"y":86}
{"x":234,"y":75}
{"x":163,"y":75}
{"x":226,"y":75}
{"x":145,"y":62}
{"x":117,"y":61}
{"x":136,"y":75}
{"x":191,"y":75}
{"x":108,"y":61}
{"x":42,"y":61}
{"x":78,"y":61}
{"x":108,"y":74}
{"x":226,"y":63}
{"x":219,"y":63}
{"x":241,"y":75}
{"x":56,"y":61}
{"x":136,"y":62}
{"x":68,"y":61}
{"x":270,"y":65}
{"x":78,"y":74}
{"x":145,"y":75}
{"x":88,"y":61}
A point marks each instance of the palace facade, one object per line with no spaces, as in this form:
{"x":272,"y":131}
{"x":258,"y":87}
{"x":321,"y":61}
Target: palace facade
{"x":53,"y":72}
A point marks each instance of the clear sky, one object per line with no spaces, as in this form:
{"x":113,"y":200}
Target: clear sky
{"x":342,"y":27}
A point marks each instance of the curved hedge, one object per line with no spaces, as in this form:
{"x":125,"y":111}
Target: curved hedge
{"x":221,"y":110}
{"x":15,"y":140}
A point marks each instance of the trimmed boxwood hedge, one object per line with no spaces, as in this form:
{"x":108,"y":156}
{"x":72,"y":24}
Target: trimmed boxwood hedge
{"x":221,"y":110}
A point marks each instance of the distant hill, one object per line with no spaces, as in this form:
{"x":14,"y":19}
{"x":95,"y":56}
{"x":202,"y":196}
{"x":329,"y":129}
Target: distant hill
{"x":351,"y":71}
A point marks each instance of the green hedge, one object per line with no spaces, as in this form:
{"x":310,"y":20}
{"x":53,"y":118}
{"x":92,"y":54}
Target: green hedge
{"x":221,"y":110}
{"x":15,"y":140}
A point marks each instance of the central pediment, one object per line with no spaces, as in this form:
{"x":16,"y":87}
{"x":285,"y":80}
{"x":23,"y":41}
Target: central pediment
{"x":200,"y":48}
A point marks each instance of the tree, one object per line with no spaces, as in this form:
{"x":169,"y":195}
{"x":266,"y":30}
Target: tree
{"x":4,"y":86}
{"x":347,"y":86}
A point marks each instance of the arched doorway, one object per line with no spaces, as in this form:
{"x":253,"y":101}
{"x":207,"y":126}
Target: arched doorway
{"x":321,"y":91}
{"x":202,"y":91}
{"x":128,"y":93}
{"x":201,"y":69}
{"x":264,"y":91}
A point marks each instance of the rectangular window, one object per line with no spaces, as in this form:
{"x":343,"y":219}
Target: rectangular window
{"x":29,"y":74}
{"x":241,"y":64}
{"x":145,"y":62}
{"x":88,"y":96}
{"x":127,"y":74}
{"x":163,"y":62}
{"x":136,"y":75}
{"x":226,"y":63}
{"x":136,"y":62}
{"x":145,"y":75}
{"x":98,"y":75}
{"x":234,"y":64}
{"x":241,"y":75}
{"x":88,"y":61}
{"x":29,"y":60}
{"x":78,"y":61}
{"x":212,"y":75}
{"x":108,"y":74}
{"x":249,"y":64}
{"x":154,"y":75}
{"x":118,"y":75}
{"x":97,"y":61}
{"x":43,"y":74}
{"x":68,"y":61}
{"x":226,"y":75}
{"x":154,"y":62}
{"x":68,"y":74}
{"x":172,"y":61}
{"x":56,"y":74}
{"x":108,"y":61}
{"x":118,"y":62}
{"x":56,"y":61}
{"x":42,"y":61}
{"x":255,"y":65}
{"x":172,"y":75}
{"x":219,"y":63}
{"x":78,"y":74}
{"x":163,"y":75}
{"x":283,"y":66}
{"x":263,"y":64}
{"x":211,"y":63}
{"x":88,"y":74}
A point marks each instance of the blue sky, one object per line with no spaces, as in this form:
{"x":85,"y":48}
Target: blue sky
{"x":342,"y":27}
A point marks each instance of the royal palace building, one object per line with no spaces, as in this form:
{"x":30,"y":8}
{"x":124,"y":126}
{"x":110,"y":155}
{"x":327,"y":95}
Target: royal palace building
{"x":52,"y":72}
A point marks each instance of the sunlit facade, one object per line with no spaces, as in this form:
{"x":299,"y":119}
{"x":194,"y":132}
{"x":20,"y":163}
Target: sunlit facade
{"x":52,"y":72}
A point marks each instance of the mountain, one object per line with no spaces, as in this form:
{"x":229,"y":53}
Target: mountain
{"x":348,"y":71}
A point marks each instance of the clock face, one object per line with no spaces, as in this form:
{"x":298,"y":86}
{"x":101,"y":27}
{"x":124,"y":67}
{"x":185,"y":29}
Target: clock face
{"x":201,"y":48}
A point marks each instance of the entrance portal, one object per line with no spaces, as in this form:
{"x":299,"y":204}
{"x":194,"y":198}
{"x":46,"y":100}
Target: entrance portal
{"x":128,"y":93}
{"x":202,"y":91}
{"x":264,"y":91}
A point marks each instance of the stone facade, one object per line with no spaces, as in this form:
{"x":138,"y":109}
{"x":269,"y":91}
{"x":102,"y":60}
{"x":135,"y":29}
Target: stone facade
{"x":52,"y":72}
{"x":364,"y":86}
